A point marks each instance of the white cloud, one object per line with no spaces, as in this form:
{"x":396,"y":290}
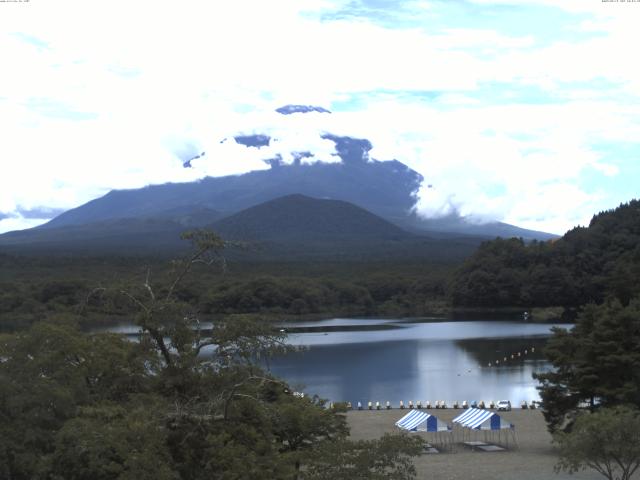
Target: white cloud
{"x":96,"y":96}
{"x":19,"y":223}
{"x":500,"y":162}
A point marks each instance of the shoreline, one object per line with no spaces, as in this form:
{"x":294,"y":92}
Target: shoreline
{"x":534,"y":458}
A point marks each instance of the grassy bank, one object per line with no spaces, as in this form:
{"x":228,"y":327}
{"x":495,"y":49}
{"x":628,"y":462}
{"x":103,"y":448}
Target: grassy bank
{"x":533,"y":460}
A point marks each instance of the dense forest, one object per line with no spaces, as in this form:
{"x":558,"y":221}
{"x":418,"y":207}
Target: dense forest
{"x":586,"y":265}
{"x":33,"y":288}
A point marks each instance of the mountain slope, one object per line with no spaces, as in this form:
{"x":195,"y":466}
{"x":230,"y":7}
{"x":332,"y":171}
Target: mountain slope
{"x":386,"y":188}
{"x":119,"y":236}
{"x":297,"y":218}
{"x":456,"y":224}
{"x":291,"y":228}
{"x":296,"y":227}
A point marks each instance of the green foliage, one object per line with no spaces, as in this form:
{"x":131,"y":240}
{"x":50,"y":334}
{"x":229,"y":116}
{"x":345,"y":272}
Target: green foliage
{"x":267,"y":294}
{"x":607,"y":441}
{"x":510,"y":273}
{"x":185,"y":402}
{"x":108,"y":441}
{"x":584,"y":266}
{"x":46,"y":375}
{"x":386,"y":458}
{"x":595,"y":363}
{"x":42,"y":288}
{"x":303,"y":423}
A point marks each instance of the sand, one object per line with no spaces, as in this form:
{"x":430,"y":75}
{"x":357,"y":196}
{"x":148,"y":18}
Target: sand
{"x":534,"y":458}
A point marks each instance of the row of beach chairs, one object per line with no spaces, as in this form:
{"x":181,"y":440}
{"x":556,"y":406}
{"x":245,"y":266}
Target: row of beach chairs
{"x":440,"y":404}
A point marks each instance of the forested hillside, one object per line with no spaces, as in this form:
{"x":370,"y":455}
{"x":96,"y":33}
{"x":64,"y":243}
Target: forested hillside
{"x":33,"y":288}
{"x":585,"y":266}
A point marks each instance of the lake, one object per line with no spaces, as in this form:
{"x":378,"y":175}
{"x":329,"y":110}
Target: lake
{"x":392,"y":360}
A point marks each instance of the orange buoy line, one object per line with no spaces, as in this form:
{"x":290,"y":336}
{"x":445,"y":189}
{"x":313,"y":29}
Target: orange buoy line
{"x":514,"y":356}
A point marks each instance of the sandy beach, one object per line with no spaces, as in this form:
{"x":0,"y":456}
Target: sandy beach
{"x":534,"y":458}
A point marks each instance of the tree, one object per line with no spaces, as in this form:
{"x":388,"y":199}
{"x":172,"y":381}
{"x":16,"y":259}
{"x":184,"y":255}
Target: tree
{"x":50,"y":372}
{"x":607,"y":441}
{"x":185,"y":402}
{"x":595,"y":364}
{"x":388,"y":458}
{"x":110,"y":440}
{"x":302,"y":423}
{"x":229,"y":418}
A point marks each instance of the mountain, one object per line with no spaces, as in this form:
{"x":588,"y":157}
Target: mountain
{"x":455,"y":224}
{"x":117,"y":236}
{"x":290,"y":109}
{"x":301,"y":227}
{"x":386,"y":188}
{"x":298,"y":218}
{"x":293,"y":227}
{"x":134,"y":235}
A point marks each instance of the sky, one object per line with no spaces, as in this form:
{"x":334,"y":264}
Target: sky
{"x":522,"y":111}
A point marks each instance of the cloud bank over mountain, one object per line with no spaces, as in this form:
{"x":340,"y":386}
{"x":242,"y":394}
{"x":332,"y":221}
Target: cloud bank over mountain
{"x":521,"y":111}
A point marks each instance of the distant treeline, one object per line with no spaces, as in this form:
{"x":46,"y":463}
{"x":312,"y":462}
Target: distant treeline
{"x":585,"y":266}
{"x":35,"y":289}
{"x":378,"y":294}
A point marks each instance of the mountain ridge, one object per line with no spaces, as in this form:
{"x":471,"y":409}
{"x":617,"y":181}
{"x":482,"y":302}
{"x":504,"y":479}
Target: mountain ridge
{"x":293,"y":227}
{"x":299,"y":217}
{"x":386,"y":188}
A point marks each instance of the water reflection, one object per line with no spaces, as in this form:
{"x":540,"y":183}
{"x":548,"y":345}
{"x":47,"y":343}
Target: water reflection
{"x":400,"y":359}
{"x":419,"y":361}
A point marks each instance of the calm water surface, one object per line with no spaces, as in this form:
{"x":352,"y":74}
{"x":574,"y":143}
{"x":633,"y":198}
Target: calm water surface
{"x":380,"y":360}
